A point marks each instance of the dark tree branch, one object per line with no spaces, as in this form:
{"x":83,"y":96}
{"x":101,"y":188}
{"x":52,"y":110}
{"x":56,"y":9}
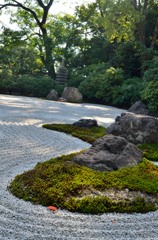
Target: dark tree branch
{"x":41,"y":4}
{"x":20,"y":5}
{"x":46,"y":10}
{"x":7,"y":5}
{"x":155,"y":34}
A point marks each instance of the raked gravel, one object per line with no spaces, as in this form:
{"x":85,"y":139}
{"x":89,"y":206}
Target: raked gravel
{"x":23,"y":143}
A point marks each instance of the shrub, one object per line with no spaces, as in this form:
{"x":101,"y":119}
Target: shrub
{"x":78,"y":76}
{"x":150,"y":96}
{"x":104,"y":87}
{"x":150,"y":91}
{"x":38,"y":86}
{"x":130,"y":92}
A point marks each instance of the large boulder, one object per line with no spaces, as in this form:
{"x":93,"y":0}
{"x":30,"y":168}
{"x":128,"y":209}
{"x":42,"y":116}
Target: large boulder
{"x":72,"y":94}
{"x":53,"y":95}
{"x":110,"y":153}
{"x":135,"y":128}
{"x":86,"y":123}
{"x":139,"y":108}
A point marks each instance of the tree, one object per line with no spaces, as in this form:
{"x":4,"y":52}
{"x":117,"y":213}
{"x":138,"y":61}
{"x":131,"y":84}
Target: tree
{"x":16,"y":56}
{"x":147,"y":27}
{"x":38,"y":11}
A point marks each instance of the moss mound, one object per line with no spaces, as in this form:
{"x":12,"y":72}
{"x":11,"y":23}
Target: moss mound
{"x":86,"y":134}
{"x":64,"y":184}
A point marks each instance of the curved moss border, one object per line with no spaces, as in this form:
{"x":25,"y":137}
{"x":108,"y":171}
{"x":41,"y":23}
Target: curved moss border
{"x":66,"y":185}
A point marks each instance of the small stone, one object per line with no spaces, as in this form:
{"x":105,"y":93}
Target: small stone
{"x":86,"y":123}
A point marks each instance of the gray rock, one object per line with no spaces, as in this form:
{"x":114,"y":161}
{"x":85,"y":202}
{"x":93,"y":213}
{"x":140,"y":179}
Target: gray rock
{"x":139,"y":108}
{"x":135,"y":128}
{"x":72,"y":94}
{"x":86,"y":123}
{"x":110,"y":153}
{"x":53,"y":95}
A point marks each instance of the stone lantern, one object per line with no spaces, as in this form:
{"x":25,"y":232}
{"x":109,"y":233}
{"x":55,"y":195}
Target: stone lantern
{"x":61,"y":76}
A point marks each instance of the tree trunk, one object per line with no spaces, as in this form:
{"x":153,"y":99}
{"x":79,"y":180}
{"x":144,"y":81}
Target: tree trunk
{"x":155,"y":34}
{"x":48,"y":61}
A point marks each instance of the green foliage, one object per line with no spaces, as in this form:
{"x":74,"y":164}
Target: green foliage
{"x":150,"y":151}
{"x":86,"y":134}
{"x":129,"y":92}
{"x":38,"y":86}
{"x":99,"y":205}
{"x":103,"y":86}
{"x":118,"y":19}
{"x":20,"y":60}
{"x":99,"y":36}
{"x":126,"y":56}
{"x":79,"y":75}
{"x":150,"y":96}
{"x":65,"y":184}
{"x":150,"y":91}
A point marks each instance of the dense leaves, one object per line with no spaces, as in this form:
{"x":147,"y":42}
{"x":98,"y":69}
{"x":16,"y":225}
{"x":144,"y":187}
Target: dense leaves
{"x":110,"y":48}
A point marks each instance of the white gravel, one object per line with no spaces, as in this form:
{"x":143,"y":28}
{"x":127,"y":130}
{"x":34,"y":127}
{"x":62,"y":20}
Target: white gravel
{"x":23,"y":143}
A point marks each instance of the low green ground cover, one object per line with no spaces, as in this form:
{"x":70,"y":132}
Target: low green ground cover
{"x":67,"y":185}
{"x":86,"y":134}
{"x":150,"y":151}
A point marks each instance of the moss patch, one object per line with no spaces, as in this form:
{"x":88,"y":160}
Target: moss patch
{"x":86,"y":134}
{"x":150,"y":151}
{"x":64,"y":184}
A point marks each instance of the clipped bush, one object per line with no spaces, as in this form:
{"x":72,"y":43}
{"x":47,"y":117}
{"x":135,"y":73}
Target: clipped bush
{"x":129,"y":92}
{"x":38,"y":86}
{"x":78,"y":76}
{"x":104,"y":86}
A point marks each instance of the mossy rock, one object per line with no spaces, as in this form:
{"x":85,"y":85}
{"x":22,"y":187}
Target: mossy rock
{"x":67,"y":185}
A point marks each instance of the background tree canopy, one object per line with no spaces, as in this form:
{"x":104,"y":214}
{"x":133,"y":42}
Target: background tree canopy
{"x":110,"y":49}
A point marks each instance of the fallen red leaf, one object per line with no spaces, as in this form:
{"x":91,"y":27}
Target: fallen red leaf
{"x":52,"y":208}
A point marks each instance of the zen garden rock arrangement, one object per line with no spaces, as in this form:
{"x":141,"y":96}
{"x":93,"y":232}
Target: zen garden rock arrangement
{"x":72,"y":94}
{"x":135,"y":128}
{"x":110,"y":153}
{"x":139,"y":108}
{"x":116,"y":154}
{"x":118,"y":149}
{"x":69,"y":94}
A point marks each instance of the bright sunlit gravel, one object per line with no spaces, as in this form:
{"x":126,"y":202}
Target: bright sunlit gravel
{"x":24,"y":143}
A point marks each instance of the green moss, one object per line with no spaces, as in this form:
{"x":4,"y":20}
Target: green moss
{"x":150,"y":151}
{"x":98,"y":205}
{"x":86,"y":134}
{"x":63,"y":183}
{"x":66,"y":185}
